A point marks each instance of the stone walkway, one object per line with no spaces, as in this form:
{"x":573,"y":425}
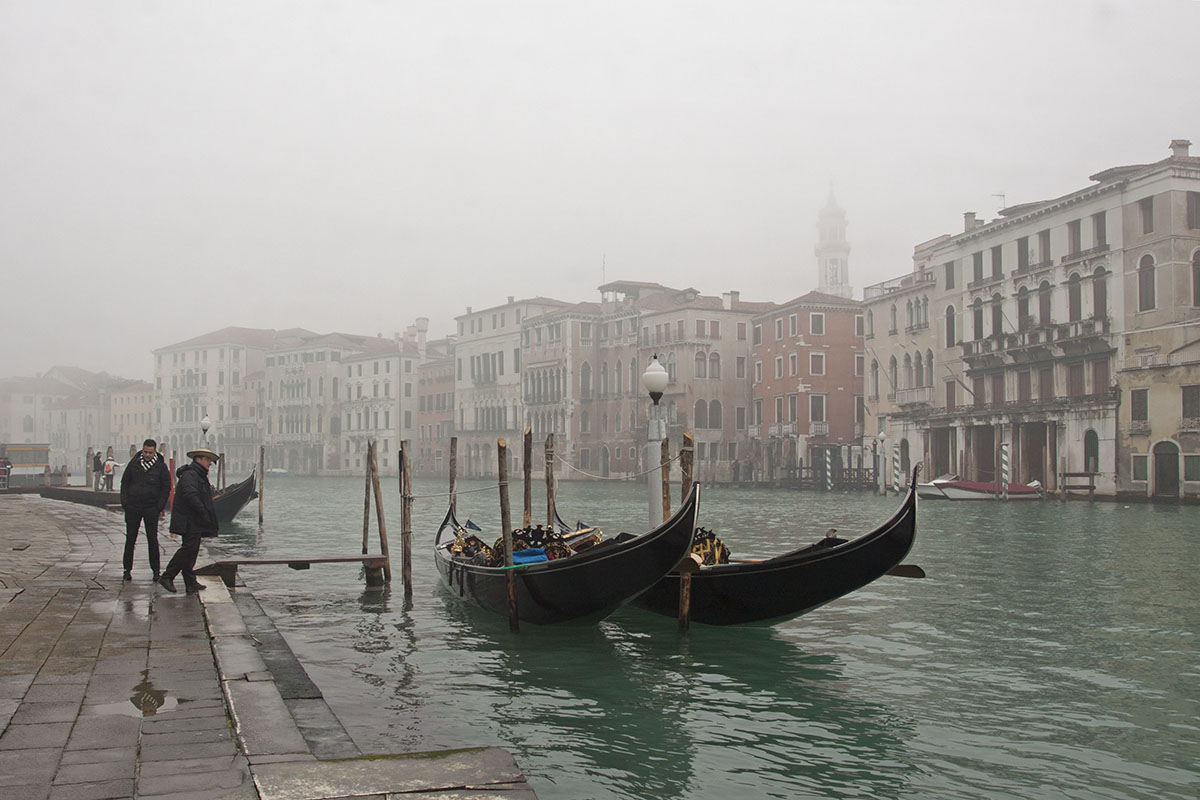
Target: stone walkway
{"x":120,"y":690}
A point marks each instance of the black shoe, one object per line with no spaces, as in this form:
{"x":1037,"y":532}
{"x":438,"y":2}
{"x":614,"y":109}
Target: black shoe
{"x":155,"y":576}
{"x":126,"y":576}
{"x":167,"y":584}
{"x":195,"y":587}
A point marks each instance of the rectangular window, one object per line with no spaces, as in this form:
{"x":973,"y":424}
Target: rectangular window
{"x":758,"y":415}
{"x":1024,"y":386}
{"x":816,"y":408}
{"x":758,"y":372}
{"x":1100,"y":229}
{"x":779,"y":408}
{"x":1046,"y":384}
{"x":1193,"y":210}
{"x":714,"y":329}
{"x":1191,"y":402}
{"x":758,"y":334}
{"x":816,"y":363}
{"x":997,"y":262}
{"x":1074,"y":380}
{"x":977,"y":267}
{"x":978,"y":399}
{"x":1074,"y":236}
{"x":1191,"y":468}
{"x":997,"y":390}
{"x":858,"y":325}
{"x":778,"y":329}
{"x":1022,"y":254}
{"x":1140,"y":467}
{"x":741,"y":366}
{"x":793,"y":325}
{"x":778,"y":366}
{"x":793,"y":407}
{"x":1044,"y":254}
{"x":740,"y":416}
{"x":793,"y":364}
{"x":859,"y":364}
{"x":1100,"y":377}
{"x":1146,"y":210}
{"x":951,"y":394}
{"x":816,"y":324}
{"x":678,"y":329}
{"x":949,"y":267}
{"x":741,"y":331}
{"x":699,"y":329}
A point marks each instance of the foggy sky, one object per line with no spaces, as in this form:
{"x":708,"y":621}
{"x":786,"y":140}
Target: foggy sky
{"x":167,"y":169}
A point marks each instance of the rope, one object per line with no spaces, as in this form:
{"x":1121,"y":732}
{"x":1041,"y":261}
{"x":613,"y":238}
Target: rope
{"x":571,"y":466}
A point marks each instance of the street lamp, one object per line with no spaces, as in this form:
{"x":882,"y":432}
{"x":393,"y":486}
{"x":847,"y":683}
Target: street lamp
{"x":654,"y":379}
{"x":205,"y":424}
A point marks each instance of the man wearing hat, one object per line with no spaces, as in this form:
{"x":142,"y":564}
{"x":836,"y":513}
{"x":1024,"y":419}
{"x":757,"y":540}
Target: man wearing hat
{"x":192,"y":517}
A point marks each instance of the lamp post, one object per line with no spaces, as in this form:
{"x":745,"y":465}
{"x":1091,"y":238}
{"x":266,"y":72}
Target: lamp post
{"x":654,"y":379}
{"x":205,"y":424}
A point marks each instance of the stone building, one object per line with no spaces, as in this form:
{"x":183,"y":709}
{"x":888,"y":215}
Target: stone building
{"x":806,"y":369}
{"x":435,"y":408}
{"x":1017,"y":333}
{"x":131,"y":416}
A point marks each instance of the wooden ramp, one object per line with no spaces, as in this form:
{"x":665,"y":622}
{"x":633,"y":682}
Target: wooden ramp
{"x":226,"y":569}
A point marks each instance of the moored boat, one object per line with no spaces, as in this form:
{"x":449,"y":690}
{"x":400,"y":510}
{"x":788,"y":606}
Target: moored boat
{"x":232,"y":499}
{"x":579,"y":587}
{"x":777,"y":589}
{"x":942,"y":489}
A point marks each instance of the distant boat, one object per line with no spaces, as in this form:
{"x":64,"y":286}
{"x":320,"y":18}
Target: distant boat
{"x":277,"y":471}
{"x":950,"y":488}
{"x":232,"y":499}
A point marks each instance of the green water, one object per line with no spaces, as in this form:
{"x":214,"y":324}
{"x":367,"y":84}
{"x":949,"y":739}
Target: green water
{"x":1053,"y":651}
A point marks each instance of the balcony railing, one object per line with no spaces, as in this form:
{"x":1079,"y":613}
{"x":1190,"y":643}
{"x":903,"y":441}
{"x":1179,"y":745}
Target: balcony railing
{"x":921,"y":394}
{"x":898,"y":284}
{"x":1139,"y":427}
{"x":754,"y":431}
{"x":818,"y":428}
{"x":1082,"y":254}
{"x":782,"y":428}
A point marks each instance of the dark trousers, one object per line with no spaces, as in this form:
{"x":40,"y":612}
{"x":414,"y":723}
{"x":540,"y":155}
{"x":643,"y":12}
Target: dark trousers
{"x":184,"y":559}
{"x":134,"y":517}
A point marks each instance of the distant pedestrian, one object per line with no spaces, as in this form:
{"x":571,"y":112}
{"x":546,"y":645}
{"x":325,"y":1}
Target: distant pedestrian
{"x":192,"y":517}
{"x":110,"y":469}
{"x":145,"y":490}
{"x":97,"y":469}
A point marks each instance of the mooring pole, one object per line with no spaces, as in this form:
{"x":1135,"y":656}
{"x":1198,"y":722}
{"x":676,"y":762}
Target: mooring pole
{"x":527,"y":468}
{"x":550,"y":480}
{"x":367,"y":497}
{"x":406,"y":520}
{"x":453,"y":472}
{"x":262,"y":478}
{"x":664,"y":461}
{"x":685,"y":466}
{"x":506,"y":526}
{"x":689,"y":565}
{"x":373,"y":460}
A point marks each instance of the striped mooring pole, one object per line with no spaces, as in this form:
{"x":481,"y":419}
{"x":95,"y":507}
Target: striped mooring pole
{"x":1004,"y":470}
{"x":896,"y":469}
{"x":829,"y":470}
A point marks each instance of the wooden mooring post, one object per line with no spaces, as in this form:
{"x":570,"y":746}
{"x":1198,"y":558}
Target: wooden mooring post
{"x":367,"y":498}
{"x":689,"y":564}
{"x":664,"y":461}
{"x":550,"y":481}
{"x":686,"y":459}
{"x":406,"y":500}
{"x":373,"y":468}
{"x":527,"y":469}
{"x":506,"y":526}
{"x":453,"y":472}
{"x":262,"y":479}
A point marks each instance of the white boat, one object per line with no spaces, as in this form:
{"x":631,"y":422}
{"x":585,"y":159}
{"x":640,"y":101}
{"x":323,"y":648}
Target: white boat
{"x":277,"y":471}
{"x":949,"y":488}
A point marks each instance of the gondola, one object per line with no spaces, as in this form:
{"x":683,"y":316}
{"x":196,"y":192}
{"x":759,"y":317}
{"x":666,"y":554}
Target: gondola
{"x":786,"y":586}
{"x":582,"y":588}
{"x":232,"y":499}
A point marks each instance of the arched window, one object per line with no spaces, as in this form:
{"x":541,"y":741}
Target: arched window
{"x":997,"y":315}
{"x":618,"y":375}
{"x":908,"y":372}
{"x":929,"y":368}
{"x":925,"y":311}
{"x":1074,"y":298}
{"x":585,"y":380}
{"x":1024,"y":321}
{"x":1146,"y":283}
{"x":893,"y":318}
{"x":1044,"y":305}
{"x":584,"y":422}
{"x":633,"y":377}
{"x":870,"y":323}
{"x":604,"y":423}
{"x":604,"y":379}
{"x":670,"y":367}
{"x":874,"y":388}
{"x":714,"y":365}
{"x":701,"y":419}
{"x":977,"y":318}
{"x":701,"y":365}
{"x":1091,"y":452}
{"x":951,"y":334}
{"x":714,"y":415}
{"x":893,"y":377}
{"x":1100,"y":294}
{"x":908,"y":314}
{"x":918,"y":371}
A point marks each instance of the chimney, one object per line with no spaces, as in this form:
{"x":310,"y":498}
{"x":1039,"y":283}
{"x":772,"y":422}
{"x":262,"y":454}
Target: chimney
{"x":729,"y":299}
{"x":510,"y":299}
{"x":1179,"y":148}
{"x":969,"y":222}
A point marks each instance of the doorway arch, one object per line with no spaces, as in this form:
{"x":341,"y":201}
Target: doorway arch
{"x":1091,"y":452}
{"x":1166,"y":469}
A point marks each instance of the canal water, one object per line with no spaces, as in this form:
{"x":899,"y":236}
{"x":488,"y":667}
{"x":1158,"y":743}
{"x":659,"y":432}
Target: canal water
{"x":1053,"y":651}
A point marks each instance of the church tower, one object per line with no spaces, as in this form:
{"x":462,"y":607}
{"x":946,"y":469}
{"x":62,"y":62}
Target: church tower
{"x":833,"y":251}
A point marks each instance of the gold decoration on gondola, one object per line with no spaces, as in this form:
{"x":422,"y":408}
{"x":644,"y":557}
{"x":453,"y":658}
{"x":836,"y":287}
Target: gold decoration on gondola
{"x":709,"y":548}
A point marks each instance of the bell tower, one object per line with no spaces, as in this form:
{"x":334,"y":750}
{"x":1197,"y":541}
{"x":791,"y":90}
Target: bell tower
{"x":833,"y":251}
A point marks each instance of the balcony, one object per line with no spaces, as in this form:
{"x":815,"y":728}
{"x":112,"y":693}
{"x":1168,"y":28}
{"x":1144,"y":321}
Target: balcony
{"x":1189,"y":424}
{"x":988,"y":281}
{"x":912,"y":280}
{"x":818,"y":428}
{"x":754,"y":431}
{"x":921,"y":395}
{"x":1071,"y":258}
{"x":782,"y":429}
{"x":1027,"y":269}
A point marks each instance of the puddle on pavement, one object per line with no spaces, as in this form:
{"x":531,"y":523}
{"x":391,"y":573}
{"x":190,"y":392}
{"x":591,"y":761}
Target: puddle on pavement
{"x":146,"y":701}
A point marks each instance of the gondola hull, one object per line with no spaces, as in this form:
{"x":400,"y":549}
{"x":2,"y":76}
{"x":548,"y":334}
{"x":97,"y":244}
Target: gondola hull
{"x":581,"y":589}
{"x":233,"y":499}
{"x":777,"y":589}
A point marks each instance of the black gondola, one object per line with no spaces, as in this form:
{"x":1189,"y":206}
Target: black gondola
{"x":232,"y":499}
{"x":582,"y":588}
{"x":786,"y":586}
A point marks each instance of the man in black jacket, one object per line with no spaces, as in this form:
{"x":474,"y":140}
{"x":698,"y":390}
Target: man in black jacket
{"x":145,"y":490}
{"x":192,"y":517}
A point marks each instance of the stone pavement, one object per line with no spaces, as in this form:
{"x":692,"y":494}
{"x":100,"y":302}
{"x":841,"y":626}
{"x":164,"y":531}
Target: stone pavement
{"x":120,"y":690}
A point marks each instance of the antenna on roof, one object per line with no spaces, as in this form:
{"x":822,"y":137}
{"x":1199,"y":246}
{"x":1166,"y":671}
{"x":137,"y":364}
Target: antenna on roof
{"x":603,"y":268}
{"x":1003,"y":204}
